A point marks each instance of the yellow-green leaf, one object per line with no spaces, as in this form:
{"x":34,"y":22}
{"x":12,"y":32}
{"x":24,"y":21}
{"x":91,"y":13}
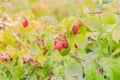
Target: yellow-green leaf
{"x":108,"y":18}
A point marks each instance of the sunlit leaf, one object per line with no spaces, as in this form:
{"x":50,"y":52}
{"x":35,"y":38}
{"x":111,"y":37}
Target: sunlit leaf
{"x":115,"y":33}
{"x":108,"y":18}
{"x":17,"y":72}
{"x":89,"y":4}
{"x":74,"y":71}
{"x":8,"y":36}
{"x":111,"y":67}
{"x":90,"y":70}
{"x":64,"y":52}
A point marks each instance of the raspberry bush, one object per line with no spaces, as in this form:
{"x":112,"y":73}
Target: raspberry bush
{"x":67,"y":40}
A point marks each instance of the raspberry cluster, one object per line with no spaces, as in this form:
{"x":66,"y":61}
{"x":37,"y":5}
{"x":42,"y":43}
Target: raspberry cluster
{"x":5,"y":57}
{"x":27,"y":59}
{"x":60,"y":42}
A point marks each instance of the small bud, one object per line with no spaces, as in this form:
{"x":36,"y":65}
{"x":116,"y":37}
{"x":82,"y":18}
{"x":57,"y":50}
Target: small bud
{"x":79,"y":22}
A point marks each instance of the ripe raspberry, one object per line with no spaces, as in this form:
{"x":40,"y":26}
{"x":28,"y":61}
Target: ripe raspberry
{"x":58,"y":46}
{"x":55,"y":42}
{"x":31,"y":59}
{"x":60,"y":42}
{"x":24,"y":60}
{"x":65,"y":44}
{"x":3,"y":59}
{"x":75,"y":29}
{"x":25,"y":23}
{"x":9,"y":57}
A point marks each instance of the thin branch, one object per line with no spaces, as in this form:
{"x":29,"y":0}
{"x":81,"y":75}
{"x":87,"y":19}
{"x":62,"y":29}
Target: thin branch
{"x":18,"y":39}
{"x":36,"y":66}
{"x":50,"y":73}
{"x":100,"y":12}
{"x":95,"y":12}
{"x":30,"y":74}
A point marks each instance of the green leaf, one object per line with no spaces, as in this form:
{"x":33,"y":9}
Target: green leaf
{"x":118,"y":59}
{"x":18,"y":72}
{"x":81,"y":39}
{"x":40,"y":58}
{"x":8,"y":36}
{"x":90,"y":70}
{"x":108,"y":18}
{"x":40,"y":72}
{"x":116,"y":52}
{"x":115,"y":33}
{"x":20,"y":62}
{"x":100,"y":1}
{"x":33,"y":48}
{"x":89,"y":4}
{"x":67,"y":22}
{"x":28,"y":69}
{"x":111,"y":42}
{"x":49,"y":42}
{"x":73,"y":70}
{"x":106,"y":1}
{"x":93,"y":23}
{"x":58,"y":71}
{"x":100,"y":46}
{"x":111,"y":68}
{"x":48,"y":64}
{"x":33,"y":77}
{"x":64,"y":52}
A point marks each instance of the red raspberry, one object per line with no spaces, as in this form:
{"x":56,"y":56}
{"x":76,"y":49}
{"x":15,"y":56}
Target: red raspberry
{"x":3,"y":59}
{"x":65,"y":44}
{"x":75,"y":29}
{"x":58,"y":46}
{"x":31,"y":59}
{"x":9,"y":57}
{"x":24,"y":60}
{"x":25,"y":23}
{"x":55,"y":42}
{"x":42,"y":42}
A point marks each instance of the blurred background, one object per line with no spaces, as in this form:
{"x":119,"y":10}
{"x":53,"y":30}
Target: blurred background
{"x":57,"y":9}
